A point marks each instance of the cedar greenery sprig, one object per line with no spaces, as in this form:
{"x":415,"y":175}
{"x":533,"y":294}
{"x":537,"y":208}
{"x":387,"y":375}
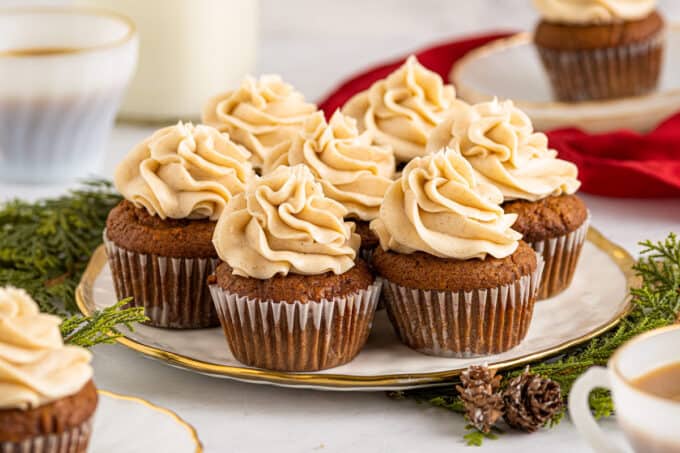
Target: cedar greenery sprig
{"x":656,"y":303}
{"x":44,"y":249}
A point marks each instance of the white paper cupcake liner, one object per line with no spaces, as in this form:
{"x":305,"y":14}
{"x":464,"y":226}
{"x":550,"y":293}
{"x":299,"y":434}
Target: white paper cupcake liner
{"x":72,"y":441}
{"x":614,"y":72}
{"x":296,"y":336}
{"x":173,"y":291}
{"x":561,"y":256}
{"x":465,"y":323}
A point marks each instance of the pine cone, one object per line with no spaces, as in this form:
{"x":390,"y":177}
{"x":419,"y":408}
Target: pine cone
{"x":531,"y":401}
{"x":480,"y":393}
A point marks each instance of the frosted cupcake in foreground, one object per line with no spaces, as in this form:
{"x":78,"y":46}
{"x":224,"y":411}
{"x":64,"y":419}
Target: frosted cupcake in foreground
{"x":459,"y":282}
{"x":600,"y":49}
{"x":176,"y":184}
{"x":350,"y":169}
{"x":291,"y":294}
{"x":260,"y":114}
{"x":499,"y":141}
{"x":47,"y":397}
{"x":401,"y":110}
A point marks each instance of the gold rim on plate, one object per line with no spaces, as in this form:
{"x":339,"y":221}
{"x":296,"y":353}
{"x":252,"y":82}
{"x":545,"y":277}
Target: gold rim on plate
{"x":167,"y":412}
{"x":85,"y":303}
{"x":526,"y":38}
{"x":70,"y":10}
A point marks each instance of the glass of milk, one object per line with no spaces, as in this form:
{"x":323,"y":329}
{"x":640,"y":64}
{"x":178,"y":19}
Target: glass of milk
{"x":189,"y":51}
{"x":63,"y":72}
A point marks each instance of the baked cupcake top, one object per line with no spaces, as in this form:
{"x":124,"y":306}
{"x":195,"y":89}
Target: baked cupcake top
{"x":350,"y":169}
{"x":439,"y":208}
{"x":259,"y":115}
{"x":36,"y":368}
{"x":284,"y":224}
{"x":499,"y":141}
{"x":184,"y":172}
{"x":401,"y":110}
{"x":580,"y":12}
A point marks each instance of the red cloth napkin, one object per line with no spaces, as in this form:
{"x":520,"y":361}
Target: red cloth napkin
{"x":616,"y":164}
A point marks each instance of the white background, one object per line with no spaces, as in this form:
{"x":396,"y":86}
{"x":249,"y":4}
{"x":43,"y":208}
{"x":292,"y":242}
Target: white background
{"x":315,"y":44}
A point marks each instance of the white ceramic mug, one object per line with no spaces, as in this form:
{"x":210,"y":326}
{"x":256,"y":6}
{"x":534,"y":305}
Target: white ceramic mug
{"x":650,"y":423}
{"x":63,"y":72}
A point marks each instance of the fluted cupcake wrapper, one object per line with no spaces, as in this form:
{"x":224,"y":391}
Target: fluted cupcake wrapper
{"x":561,"y":256}
{"x":72,"y":441}
{"x":296,"y":336}
{"x":615,"y":72}
{"x":464,"y":323}
{"x":173,"y":291}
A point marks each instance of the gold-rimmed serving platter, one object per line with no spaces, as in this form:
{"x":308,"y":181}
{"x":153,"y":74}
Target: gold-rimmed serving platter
{"x":595,"y":302}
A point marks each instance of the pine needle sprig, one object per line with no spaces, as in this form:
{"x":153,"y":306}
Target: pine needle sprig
{"x":656,"y":303}
{"x":44,"y":249}
{"x":102,"y":327}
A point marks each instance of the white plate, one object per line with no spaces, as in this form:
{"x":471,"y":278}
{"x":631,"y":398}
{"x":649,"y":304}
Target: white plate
{"x":511,"y":69}
{"x":596,"y":301}
{"x":133,"y":425}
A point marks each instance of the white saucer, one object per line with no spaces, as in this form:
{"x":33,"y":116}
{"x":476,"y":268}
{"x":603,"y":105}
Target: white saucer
{"x":511,"y":69}
{"x":596,"y":301}
{"x":133,"y":425}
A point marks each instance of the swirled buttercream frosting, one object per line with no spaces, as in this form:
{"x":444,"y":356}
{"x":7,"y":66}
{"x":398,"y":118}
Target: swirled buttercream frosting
{"x":36,"y":368}
{"x":260,"y":114}
{"x":401,"y":110}
{"x":594,"y":11}
{"x":499,"y":141}
{"x":351,"y":170}
{"x":439,"y":208}
{"x":284,"y":224}
{"x":184,"y":172}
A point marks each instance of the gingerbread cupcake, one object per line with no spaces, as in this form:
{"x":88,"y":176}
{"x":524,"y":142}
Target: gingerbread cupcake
{"x":499,"y":141}
{"x":47,"y":398}
{"x":176,"y":184}
{"x":351,"y":170}
{"x":291,"y":294}
{"x":600,"y":49}
{"x":260,"y":114}
{"x":459,"y":282}
{"x":401,"y":110}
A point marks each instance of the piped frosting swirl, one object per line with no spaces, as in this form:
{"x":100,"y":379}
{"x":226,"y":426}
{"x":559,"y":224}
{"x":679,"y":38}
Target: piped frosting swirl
{"x":401,"y":110}
{"x":260,"y":114}
{"x":284,"y":224}
{"x":36,"y":368}
{"x":350,"y":169}
{"x":499,"y":141}
{"x":594,"y":11}
{"x":439,"y":208}
{"x":184,"y":172}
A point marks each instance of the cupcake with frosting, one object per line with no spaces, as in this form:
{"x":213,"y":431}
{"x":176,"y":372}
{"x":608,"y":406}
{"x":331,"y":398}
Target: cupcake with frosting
{"x":401,"y":110}
{"x":291,"y":293}
{"x":175,"y":185}
{"x":352,"y":171}
{"x":459,"y":281}
{"x":600,"y":49}
{"x":47,"y":397}
{"x":500,"y":143}
{"x":261,"y":114}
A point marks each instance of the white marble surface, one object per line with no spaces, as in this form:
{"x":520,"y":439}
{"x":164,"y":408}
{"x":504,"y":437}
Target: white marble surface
{"x":314,"y":44}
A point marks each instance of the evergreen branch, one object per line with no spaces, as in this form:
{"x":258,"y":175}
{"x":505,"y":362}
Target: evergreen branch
{"x":44,"y":249}
{"x":102,"y":327}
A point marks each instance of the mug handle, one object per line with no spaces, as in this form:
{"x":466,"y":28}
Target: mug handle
{"x":579,"y":409}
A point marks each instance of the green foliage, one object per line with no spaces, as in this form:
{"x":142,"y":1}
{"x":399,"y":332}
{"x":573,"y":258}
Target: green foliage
{"x":656,"y":303}
{"x":475,"y":438}
{"x":44,"y":249}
